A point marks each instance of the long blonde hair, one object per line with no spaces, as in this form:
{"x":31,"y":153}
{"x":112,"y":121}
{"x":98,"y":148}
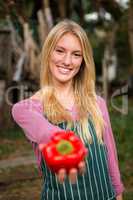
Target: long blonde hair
{"x":83,"y":83}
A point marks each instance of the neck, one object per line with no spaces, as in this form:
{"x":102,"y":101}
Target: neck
{"x":64,"y":94}
{"x":63,"y":88}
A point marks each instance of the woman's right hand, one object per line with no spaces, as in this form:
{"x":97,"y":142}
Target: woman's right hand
{"x":72,"y":173}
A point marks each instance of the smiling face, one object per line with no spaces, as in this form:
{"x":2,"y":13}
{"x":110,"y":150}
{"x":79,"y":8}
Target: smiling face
{"x":66,"y":59}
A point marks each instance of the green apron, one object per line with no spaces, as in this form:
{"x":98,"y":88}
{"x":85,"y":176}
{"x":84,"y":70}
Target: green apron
{"x":95,"y":184}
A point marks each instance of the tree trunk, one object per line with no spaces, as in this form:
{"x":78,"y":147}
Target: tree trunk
{"x":6,"y":73}
{"x":48,"y":13}
{"x":62,"y":8}
{"x":109,"y":51}
{"x":130,"y":33}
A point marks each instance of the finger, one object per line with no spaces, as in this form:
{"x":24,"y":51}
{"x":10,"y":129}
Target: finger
{"x":73,"y":175}
{"x":86,"y":152}
{"x":61,"y":175}
{"x":82,"y":167}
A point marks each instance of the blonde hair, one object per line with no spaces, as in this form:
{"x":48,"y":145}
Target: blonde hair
{"x":83,"y":83}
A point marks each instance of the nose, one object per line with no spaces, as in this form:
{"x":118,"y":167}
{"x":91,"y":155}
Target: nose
{"x":67,"y":59}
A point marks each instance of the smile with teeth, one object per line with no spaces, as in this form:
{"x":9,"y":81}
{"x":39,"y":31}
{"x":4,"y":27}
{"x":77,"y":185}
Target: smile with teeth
{"x":64,"y":70}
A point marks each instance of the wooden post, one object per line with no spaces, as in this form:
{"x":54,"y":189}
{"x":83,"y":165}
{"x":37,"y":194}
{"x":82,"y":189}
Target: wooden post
{"x":42,"y":28}
{"x":48,"y":14}
{"x":6,"y":72}
{"x":2,"y":91}
{"x":32,"y":52}
{"x":130,"y":33}
{"x":5,"y":55}
{"x":108,"y":52}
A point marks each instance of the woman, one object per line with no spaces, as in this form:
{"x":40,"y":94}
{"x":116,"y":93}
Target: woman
{"x":67,"y":100}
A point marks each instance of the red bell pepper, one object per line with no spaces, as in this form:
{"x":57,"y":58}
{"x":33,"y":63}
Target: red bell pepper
{"x":65,"y":150}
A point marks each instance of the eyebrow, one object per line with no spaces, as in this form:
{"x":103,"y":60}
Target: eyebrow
{"x":76,"y":51}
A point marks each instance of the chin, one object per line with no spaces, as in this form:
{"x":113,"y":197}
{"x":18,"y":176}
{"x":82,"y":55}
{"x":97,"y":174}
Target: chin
{"x":64,"y":81}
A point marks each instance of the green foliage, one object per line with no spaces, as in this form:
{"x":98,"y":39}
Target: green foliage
{"x":98,"y":51}
{"x":12,"y":134}
{"x":122,"y":48}
{"x":13,"y":143}
{"x":123,"y":129}
{"x":25,"y":7}
{"x":2,"y":9}
{"x":87,"y":6}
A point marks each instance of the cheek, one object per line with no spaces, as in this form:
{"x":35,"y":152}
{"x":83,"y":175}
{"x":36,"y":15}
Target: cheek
{"x":78,"y":66}
{"x":55,"y":58}
{"x":78,"y":63}
{"x":76,"y":69}
{"x":52,"y":62}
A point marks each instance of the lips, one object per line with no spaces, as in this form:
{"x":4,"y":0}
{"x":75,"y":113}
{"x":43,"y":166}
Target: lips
{"x":64,"y":70}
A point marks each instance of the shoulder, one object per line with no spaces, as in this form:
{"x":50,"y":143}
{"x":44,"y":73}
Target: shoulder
{"x":32,"y":103}
{"x":37,"y":96}
{"x":102,"y":106}
{"x":100,"y":101}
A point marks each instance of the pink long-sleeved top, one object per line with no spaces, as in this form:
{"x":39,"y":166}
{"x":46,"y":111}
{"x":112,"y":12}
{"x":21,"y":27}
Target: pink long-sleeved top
{"x":29,"y":115}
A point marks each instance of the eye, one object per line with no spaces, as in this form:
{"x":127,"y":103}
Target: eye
{"x":77,"y":55}
{"x":59,"y":50}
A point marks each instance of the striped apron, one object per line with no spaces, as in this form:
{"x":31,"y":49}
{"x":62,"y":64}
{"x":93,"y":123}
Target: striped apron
{"x":95,"y":184}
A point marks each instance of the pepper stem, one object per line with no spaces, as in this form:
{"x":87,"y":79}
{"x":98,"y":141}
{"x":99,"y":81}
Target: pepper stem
{"x":64,"y":147}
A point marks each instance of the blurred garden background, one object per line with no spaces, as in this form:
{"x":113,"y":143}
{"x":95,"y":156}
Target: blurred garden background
{"x":24,"y":26}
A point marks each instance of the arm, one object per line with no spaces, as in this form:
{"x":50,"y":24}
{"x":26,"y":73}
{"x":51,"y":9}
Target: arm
{"x":28,"y":114}
{"x":111,"y":151}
